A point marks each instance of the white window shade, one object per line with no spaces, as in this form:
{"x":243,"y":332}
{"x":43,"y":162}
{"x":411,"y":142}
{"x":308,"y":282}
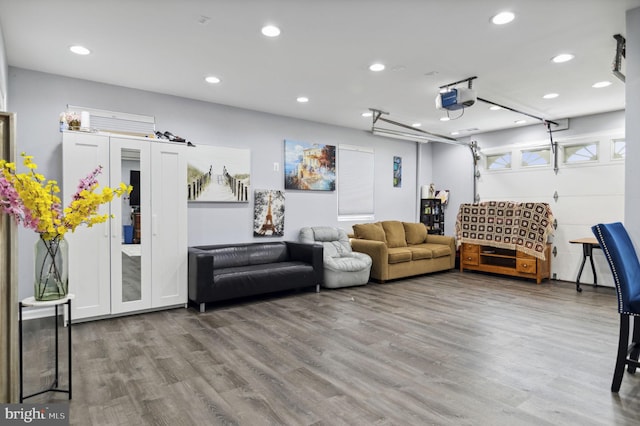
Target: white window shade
{"x":355,"y":182}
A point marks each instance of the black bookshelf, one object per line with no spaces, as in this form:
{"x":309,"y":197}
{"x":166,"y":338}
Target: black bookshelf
{"x":432,"y":215}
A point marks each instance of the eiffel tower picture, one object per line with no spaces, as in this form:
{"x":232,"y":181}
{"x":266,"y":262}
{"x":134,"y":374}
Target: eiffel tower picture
{"x":273,"y":222}
{"x":268,"y":221}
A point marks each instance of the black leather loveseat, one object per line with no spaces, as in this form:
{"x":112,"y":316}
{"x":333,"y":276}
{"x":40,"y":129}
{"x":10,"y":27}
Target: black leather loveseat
{"x":222,"y":272}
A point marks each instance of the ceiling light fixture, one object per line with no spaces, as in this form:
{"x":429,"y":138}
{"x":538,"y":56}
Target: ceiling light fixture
{"x":79,"y":50}
{"x":495,"y":108}
{"x":367,"y":114}
{"x":302,"y":99}
{"x":520,"y":121}
{"x":563,"y":57}
{"x":377,"y":67}
{"x":416,"y":125}
{"x":550,"y":96}
{"x":444,"y":119}
{"x":503,"y":18}
{"x":212,"y":79}
{"x":601,"y":84}
{"x":271,"y":31}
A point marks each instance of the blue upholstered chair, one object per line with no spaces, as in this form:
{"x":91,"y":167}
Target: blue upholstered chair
{"x":625,"y":267}
{"x":343,"y":267}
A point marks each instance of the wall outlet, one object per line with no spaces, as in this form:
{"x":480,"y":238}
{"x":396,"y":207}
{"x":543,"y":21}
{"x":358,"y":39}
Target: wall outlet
{"x":276,"y":167}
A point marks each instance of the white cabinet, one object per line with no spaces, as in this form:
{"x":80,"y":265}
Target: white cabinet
{"x":111,"y":277}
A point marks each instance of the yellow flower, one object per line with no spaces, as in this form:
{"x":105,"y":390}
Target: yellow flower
{"x":34,"y":201}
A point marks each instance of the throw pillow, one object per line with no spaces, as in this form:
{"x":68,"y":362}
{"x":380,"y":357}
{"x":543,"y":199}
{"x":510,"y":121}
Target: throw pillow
{"x":416,"y":233}
{"x":369,"y":231}
{"x":394,"y":232}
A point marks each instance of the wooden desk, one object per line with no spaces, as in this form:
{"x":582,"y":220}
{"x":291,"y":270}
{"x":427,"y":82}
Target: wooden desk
{"x":588,"y":244}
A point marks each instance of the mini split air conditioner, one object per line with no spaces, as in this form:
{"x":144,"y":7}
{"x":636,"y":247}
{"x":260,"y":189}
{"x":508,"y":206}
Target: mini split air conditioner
{"x":455,"y":99}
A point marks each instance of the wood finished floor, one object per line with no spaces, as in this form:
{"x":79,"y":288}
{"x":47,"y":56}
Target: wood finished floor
{"x":443,"y":349}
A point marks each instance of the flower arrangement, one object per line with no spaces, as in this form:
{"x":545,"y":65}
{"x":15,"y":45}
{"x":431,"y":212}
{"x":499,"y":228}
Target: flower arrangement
{"x":34,"y":203}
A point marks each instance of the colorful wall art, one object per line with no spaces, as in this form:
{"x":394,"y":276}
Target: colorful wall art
{"x":309,"y":166}
{"x":217,"y":173}
{"x":397,"y":172}
{"x":268,"y":213}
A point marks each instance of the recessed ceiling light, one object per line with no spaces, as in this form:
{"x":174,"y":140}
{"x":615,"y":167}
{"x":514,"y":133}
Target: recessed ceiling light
{"x":302,"y":99}
{"x":79,"y":50}
{"x":563,"y":57}
{"x":416,"y":125}
{"x":495,"y":108}
{"x":271,"y":31}
{"x":367,"y":114}
{"x":212,"y":79}
{"x":444,"y":119}
{"x":455,"y":133}
{"x":376,"y":67}
{"x":601,"y":84}
{"x":550,"y":95}
{"x":503,"y":18}
{"x":520,"y":121}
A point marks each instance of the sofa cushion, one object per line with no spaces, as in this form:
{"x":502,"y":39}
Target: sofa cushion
{"x":369,"y":231}
{"x":437,"y":250}
{"x":261,"y":253}
{"x":416,"y":233}
{"x":229,"y":257}
{"x":399,"y":255}
{"x":394,"y":232}
{"x":418,"y":253}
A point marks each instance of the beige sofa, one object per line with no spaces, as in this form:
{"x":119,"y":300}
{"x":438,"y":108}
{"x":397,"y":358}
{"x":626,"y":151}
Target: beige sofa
{"x":402,"y":249}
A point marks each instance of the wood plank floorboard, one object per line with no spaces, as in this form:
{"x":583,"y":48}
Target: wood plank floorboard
{"x":442,"y":349}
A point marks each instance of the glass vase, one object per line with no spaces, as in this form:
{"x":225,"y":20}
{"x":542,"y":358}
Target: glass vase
{"x":51,"y":269}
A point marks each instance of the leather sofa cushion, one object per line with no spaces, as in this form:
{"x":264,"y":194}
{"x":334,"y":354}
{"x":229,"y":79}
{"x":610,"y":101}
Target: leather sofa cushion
{"x":229,"y":257}
{"x":369,"y":231}
{"x":415,"y":233}
{"x":250,"y":254}
{"x":250,"y":279}
{"x":399,"y":255}
{"x":394,"y":232}
{"x":260,"y":254}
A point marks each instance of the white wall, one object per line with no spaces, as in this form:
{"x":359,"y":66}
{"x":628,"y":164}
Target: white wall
{"x":38,"y":98}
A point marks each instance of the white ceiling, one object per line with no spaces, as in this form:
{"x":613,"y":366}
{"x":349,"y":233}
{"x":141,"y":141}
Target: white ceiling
{"x":325,"y":50}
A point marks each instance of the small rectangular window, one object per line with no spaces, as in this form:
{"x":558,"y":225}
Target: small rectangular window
{"x":580,"y":153}
{"x":618,"y":149}
{"x":499,"y":161}
{"x":536,"y":157}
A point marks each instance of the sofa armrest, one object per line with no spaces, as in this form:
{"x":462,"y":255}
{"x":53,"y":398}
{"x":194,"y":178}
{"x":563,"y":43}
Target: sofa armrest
{"x":377,"y":251}
{"x":200,"y":273}
{"x":446,"y":240}
{"x":309,"y":253}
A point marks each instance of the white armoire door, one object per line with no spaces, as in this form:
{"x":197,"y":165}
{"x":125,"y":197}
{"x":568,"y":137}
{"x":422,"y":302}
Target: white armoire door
{"x":89,"y":264}
{"x":169,"y":225}
{"x":131,"y":263}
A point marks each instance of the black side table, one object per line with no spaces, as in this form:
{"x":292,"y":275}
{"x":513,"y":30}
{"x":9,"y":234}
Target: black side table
{"x":32,"y":302}
{"x":588,"y":244}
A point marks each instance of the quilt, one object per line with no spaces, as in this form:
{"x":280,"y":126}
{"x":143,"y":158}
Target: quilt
{"x":517,"y":226}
